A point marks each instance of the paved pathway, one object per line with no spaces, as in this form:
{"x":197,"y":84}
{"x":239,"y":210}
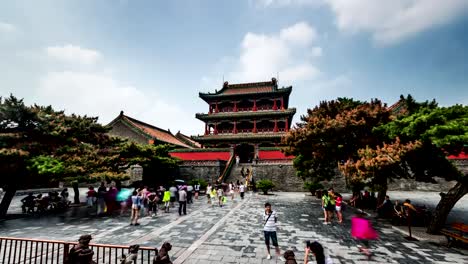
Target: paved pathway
{"x":232,"y":234}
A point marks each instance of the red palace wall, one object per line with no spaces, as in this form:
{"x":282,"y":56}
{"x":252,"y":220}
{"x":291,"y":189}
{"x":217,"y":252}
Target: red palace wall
{"x":224,"y":155}
{"x":215,"y":155}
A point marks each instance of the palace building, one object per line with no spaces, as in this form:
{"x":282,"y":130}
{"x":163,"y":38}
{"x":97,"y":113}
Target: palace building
{"x":246,"y":117}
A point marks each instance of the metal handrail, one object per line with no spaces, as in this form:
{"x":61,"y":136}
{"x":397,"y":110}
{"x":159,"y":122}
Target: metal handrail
{"x":26,"y":250}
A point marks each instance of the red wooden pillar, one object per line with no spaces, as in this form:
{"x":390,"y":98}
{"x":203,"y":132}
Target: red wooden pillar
{"x":206,"y":128}
{"x":255,"y":126}
{"x":235,"y":106}
{"x":282,"y":103}
{"x":211,"y":109}
{"x":216,"y":110}
{"x":216,"y":129}
{"x":275,"y":107}
{"x":286,"y":125}
{"x":235,"y":128}
{"x":276,"y":126}
{"x":255,"y":105}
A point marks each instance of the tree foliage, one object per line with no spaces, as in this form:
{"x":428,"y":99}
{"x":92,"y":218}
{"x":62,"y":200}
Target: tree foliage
{"x":333,"y":132}
{"x":39,"y":144}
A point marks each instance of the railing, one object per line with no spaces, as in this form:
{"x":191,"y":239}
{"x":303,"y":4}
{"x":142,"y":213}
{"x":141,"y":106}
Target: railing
{"x":227,"y":169}
{"x":25,"y":250}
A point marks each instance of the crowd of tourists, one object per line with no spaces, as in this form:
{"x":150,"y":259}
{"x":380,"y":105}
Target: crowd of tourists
{"x":40,"y":203}
{"x":219,"y":193}
{"x":142,"y":201}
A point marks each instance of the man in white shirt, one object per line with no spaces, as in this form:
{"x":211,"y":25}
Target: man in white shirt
{"x":182,"y":201}
{"x":242,"y":190}
{"x":269,"y":229}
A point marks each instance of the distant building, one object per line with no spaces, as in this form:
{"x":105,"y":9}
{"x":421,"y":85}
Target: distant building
{"x":245,"y":117}
{"x":143,"y":133}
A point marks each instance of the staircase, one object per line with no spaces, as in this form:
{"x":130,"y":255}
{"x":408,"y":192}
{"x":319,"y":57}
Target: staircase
{"x":235,"y":173}
{"x":227,"y":170}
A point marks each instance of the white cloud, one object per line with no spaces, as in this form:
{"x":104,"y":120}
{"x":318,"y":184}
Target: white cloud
{"x":316,"y":52}
{"x":101,"y":95}
{"x":74,"y":54}
{"x":7,"y":28}
{"x":265,"y":55}
{"x":393,"y":21}
{"x":300,"y":33}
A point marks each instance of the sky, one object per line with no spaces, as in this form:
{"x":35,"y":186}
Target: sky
{"x":150,"y":59}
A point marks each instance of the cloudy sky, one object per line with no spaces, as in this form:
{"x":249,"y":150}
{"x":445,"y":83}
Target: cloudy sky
{"x":151,"y":58}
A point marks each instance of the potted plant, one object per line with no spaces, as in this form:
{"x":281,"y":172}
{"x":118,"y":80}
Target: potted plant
{"x":265,"y":185}
{"x":312,"y":187}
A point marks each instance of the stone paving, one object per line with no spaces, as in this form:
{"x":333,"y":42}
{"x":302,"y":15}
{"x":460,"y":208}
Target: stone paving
{"x":233,"y":233}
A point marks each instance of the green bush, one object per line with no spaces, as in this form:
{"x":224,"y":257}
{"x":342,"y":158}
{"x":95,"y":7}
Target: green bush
{"x":265,"y":185}
{"x":202,"y":183}
{"x":312,"y":186}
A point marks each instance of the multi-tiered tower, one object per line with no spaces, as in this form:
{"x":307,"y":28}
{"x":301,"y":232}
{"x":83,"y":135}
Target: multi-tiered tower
{"x":246,"y":116}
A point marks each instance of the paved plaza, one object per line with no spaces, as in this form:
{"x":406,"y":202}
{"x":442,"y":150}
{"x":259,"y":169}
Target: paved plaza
{"x":233,"y":233}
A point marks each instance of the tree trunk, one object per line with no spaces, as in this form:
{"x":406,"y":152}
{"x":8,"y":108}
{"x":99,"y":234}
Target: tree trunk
{"x":6,"y":201}
{"x":382,"y":192}
{"x":447,"y":202}
{"x":76,"y":198}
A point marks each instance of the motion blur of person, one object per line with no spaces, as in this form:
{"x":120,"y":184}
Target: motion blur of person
{"x":362,"y":230}
{"x":173,"y":191}
{"x":101,"y":196}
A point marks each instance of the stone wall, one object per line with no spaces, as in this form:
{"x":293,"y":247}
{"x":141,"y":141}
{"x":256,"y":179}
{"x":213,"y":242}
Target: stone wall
{"x":282,"y":175}
{"x":206,"y":170}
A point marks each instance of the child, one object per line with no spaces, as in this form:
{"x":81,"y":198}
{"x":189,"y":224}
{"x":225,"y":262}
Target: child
{"x":361,"y":229}
{"x":91,"y":196}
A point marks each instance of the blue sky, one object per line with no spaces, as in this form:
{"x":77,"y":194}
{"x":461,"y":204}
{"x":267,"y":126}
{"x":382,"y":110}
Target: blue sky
{"x":151,"y":58}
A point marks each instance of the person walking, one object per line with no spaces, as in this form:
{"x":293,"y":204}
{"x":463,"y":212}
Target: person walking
{"x":208,"y":192}
{"x":213,"y":196}
{"x":220,"y":195}
{"x":269,"y":229}
{"x":136,"y":206}
{"x":242,"y":190}
{"x":153,"y":200}
{"x":197,"y":190}
{"x":166,"y":200}
{"x":189,"y":194}
{"x":182,"y":201}
{"x":173,"y":191}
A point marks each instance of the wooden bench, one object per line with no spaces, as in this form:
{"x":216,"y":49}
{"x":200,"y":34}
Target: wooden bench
{"x":457,"y":232}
